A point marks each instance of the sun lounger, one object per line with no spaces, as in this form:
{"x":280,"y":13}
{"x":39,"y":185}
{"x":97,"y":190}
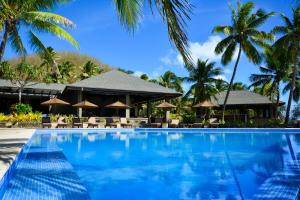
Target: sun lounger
{"x":110,"y":123}
{"x":174,"y":123}
{"x":157,"y":123}
{"x":46,"y":122}
{"x":198,"y":123}
{"x":61,"y":123}
{"x":77,"y":123}
{"x":213,"y":123}
{"x":92,"y":123}
{"x":124,"y":123}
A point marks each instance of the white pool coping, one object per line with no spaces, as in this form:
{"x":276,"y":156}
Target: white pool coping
{"x":11,"y":143}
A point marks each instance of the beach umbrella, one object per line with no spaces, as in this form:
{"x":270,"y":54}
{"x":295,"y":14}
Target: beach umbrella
{"x":117,"y":105}
{"x":166,"y":106}
{"x":55,"y":102}
{"x":85,"y":105}
{"x":205,"y":104}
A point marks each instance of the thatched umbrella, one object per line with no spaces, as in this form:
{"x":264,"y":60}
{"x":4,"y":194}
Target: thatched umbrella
{"x":85,"y":105}
{"x":206,"y":105}
{"x":117,"y":105}
{"x":55,"y":102}
{"x":167,"y":107}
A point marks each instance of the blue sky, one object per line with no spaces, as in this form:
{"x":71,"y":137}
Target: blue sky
{"x":148,"y":49}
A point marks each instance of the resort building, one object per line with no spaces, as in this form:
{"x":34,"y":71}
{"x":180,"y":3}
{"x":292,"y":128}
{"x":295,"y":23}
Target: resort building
{"x":101,"y":90}
{"x":241,"y":103}
{"x":112,"y":86}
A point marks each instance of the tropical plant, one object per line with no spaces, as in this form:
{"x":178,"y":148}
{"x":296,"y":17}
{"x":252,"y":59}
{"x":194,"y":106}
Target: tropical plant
{"x":170,"y":80}
{"x":290,"y":40}
{"x":89,"y":69}
{"x":21,"y":108}
{"x":239,"y":86}
{"x":243,"y":35}
{"x":66,"y":70}
{"x":20,"y":75}
{"x":174,"y":13}
{"x":271,"y":75}
{"x":203,"y":77}
{"x":221,"y":85}
{"x":49,"y":61}
{"x":31,"y":15}
{"x":144,"y":77}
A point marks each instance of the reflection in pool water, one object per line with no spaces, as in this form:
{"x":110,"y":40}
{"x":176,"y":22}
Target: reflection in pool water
{"x":179,"y":165}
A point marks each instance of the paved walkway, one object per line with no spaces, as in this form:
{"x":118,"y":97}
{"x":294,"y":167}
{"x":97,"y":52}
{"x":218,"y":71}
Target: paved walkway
{"x":11,"y":142}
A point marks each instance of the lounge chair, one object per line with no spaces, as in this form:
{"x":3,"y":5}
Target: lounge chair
{"x":46,"y":122}
{"x":124,"y":123}
{"x":213,"y":123}
{"x":77,"y":123}
{"x":157,"y":123}
{"x":110,"y":123}
{"x":198,"y":123}
{"x":61,"y":123}
{"x":92,"y":123}
{"x":174,"y":123}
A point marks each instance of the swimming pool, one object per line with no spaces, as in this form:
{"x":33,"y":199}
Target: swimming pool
{"x":157,"y":164}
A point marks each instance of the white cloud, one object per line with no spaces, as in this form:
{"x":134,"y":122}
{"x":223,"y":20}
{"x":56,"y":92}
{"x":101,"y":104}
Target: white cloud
{"x":138,"y":73}
{"x":221,"y":77}
{"x":203,"y":51}
{"x":227,"y":71}
{"x":170,"y":59}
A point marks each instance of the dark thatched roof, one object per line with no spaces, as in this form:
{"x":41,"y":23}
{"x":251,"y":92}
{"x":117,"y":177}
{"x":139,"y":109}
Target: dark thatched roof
{"x":242,"y":98}
{"x":119,"y":81}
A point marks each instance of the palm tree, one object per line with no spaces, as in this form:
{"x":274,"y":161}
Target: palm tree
{"x":243,"y":35}
{"x":221,"y":85}
{"x":175,"y":13}
{"x":90,"y":69}
{"x":203,"y":77}
{"x":239,"y":86}
{"x":170,"y":80}
{"x":271,"y":75}
{"x":49,"y":60}
{"x":290,"y":40}
{"x":31,"y":15}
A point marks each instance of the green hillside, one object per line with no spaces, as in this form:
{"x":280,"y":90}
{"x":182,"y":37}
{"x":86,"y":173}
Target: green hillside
{"x":76,"y":58}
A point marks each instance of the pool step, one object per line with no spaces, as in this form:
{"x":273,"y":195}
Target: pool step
{"x":283,"y":185}
{"x":45,"y":174}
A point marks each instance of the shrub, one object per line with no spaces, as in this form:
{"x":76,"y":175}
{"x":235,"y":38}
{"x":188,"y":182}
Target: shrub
{"x":29,"y":117}
{"x":21,"y":108}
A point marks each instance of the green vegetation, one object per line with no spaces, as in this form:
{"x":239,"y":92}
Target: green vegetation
{"x":202,"y":76}
{"x":31,"y":16}
{"x":278,"y":60}
{"x":21,"y":108}
{"x":243,"y":35}
{"x":20,"y":75}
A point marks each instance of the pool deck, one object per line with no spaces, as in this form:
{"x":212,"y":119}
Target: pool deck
{"x":11,"y":143}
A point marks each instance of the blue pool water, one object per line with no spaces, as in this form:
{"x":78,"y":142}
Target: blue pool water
{"x":146,"y":164}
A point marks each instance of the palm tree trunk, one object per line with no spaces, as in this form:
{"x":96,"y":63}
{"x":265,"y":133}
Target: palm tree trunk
{"x":231,"y":81}
{"x":277,"y":101}
{"x":20,"y":94}
{"x":288,"y":109}
{"x":4,"y":40}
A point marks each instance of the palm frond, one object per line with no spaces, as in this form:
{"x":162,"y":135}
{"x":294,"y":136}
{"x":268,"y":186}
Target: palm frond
{"x":129,"y":12}
{"x":16,"y":42}
{"x":45,"y":26}
{"x":228,"y":53}
{"x":175,"y":13}
{"x":48,"y":17}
